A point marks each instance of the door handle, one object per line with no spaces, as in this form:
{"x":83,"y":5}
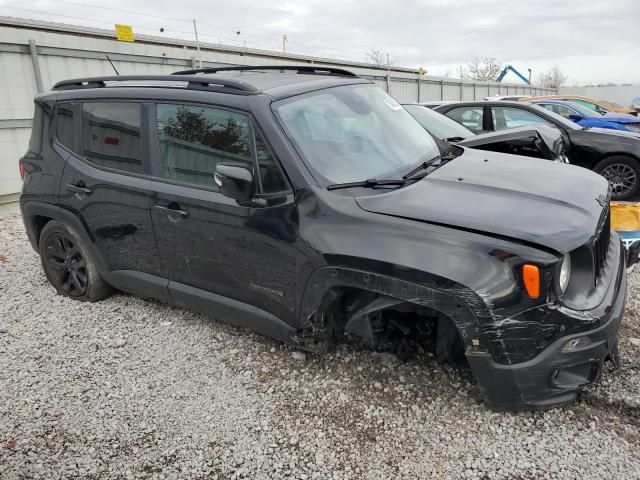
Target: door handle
{"x":79,"y":188}
{"x":169,"y":211}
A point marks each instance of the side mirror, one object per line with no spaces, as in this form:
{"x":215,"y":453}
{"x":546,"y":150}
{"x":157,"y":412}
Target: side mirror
{"x":574,"y":117}
{"x":235,"y":181}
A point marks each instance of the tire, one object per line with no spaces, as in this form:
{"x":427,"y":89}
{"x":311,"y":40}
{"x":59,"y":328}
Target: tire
{"x":623,"y":174}
{"x":68,"y":264}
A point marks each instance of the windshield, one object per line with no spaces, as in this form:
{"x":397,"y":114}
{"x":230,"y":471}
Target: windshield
{"x":584,"y":111}
{"x":440,"y":126}
{"x":569,"y":107}
{"x":557,"y":118}
{"x":354,"y":133}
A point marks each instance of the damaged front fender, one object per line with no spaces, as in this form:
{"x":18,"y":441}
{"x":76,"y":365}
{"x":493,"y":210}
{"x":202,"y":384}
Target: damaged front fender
{"x":465,"y":308}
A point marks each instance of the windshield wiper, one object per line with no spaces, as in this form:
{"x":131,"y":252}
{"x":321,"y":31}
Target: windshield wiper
{"x":424,"y":165}
{"x":372,"y":182}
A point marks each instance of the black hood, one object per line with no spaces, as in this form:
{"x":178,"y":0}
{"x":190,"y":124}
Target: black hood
{"x":548,"y":203}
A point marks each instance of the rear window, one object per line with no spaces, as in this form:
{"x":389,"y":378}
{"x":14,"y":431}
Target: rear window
{"x":64,"y":124}
{"x":111,"y":135}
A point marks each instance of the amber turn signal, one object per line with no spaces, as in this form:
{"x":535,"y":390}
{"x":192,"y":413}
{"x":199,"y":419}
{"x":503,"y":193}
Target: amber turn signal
{"x":531,"y":278}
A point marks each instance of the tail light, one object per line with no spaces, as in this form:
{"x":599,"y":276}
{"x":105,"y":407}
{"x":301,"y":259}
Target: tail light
{"x":21,"y":165}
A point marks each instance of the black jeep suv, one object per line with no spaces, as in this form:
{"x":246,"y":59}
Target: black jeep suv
{"x":308,"y":205}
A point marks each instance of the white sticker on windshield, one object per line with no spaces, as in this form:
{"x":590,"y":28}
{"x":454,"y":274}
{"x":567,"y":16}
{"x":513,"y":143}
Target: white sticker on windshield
{"x":392,"y":104}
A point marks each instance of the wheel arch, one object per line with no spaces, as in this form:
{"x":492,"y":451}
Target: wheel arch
{"x":37,"y":214}
{"x":608,"y":155}
{"x":598,"y":168}
{"x":464,"y":307}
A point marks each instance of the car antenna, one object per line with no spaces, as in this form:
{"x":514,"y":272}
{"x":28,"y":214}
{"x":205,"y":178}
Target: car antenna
{"x":112,"y":65}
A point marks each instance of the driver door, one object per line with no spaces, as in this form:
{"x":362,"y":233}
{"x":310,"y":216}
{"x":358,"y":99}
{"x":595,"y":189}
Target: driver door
{"x":207,"y":241}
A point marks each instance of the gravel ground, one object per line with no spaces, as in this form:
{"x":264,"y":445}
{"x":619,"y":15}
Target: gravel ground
{"x":131,"y":388}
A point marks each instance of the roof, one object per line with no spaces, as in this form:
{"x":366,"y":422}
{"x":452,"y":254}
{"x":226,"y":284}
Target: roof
{"x":487,"y":103}
{"x":614,"y":107}
{"x":276,"y":81}
{"x":285,"y":84}
{"x":552,"y":100}
{"x":560,"y":97}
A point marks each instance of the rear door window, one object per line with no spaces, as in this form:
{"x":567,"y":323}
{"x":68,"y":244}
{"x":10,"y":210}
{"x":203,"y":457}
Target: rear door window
{"x":111,"y":135}
{"x":470,"y":117}
{"x":511,"y":117}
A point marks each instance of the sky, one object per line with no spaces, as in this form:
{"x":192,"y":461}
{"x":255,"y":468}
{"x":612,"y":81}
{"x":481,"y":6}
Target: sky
{"x":592,"y":41}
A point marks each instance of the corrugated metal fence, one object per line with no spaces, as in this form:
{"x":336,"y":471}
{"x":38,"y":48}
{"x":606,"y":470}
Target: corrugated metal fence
{"x":34,"y":55}
{"x":424,"y":88}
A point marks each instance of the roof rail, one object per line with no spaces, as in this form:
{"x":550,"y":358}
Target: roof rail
{"x":308,"y":69}
{"x":194,"y":83}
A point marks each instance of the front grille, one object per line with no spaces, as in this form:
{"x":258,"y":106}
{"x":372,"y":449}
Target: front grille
{"x":601,"y":244}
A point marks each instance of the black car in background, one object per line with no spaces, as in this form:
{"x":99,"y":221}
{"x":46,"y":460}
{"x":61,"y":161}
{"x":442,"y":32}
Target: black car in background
{"x":306,"y":204}
{"x":540,"y":141}
{"x":613,"y":154}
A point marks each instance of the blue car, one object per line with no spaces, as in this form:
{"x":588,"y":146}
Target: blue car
{"x":588,"y":118}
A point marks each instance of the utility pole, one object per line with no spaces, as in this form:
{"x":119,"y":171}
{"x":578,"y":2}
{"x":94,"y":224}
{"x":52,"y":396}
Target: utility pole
{"x":388,"y":63}
{"x":195,"y":30}
{"x":284,"y":43}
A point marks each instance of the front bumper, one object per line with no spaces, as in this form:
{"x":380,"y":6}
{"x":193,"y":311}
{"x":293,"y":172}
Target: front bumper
{"x":554,"y":377}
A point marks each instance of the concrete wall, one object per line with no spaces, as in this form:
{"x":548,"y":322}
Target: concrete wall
{"x":65,"y":51}
{"x":620,"y":94}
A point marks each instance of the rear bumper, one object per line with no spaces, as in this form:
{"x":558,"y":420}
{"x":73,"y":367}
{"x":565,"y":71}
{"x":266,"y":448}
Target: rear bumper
{"x":555,"y":376}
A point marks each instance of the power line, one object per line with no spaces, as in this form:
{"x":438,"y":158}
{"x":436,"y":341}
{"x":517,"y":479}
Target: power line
{"x":132,"y":12}
{"x":204,"y":33}
{"x":225,"y":29}
{"x":104,"y":22}
{"x":78,"y":18}
{"x":293,"y":47}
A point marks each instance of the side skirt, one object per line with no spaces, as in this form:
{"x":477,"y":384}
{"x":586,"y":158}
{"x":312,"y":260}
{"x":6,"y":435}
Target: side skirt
{"x":220,"y":308}
{"x":231,"y":311}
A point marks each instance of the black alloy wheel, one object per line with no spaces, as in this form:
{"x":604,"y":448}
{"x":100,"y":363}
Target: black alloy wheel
{"x":66,"y":265}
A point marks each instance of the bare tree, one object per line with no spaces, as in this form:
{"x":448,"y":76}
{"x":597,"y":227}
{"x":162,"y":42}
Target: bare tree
{"x":380,"y":59}
{"x":484,"y":70}
{"x":552,"y":78}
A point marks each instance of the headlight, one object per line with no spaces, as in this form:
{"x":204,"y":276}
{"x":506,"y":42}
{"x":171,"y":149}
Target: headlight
{"x":565,"y":273}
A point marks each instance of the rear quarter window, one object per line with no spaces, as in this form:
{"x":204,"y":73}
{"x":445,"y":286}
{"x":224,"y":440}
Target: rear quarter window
{"x":37,"y":129}
{"x":64,"y":125}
